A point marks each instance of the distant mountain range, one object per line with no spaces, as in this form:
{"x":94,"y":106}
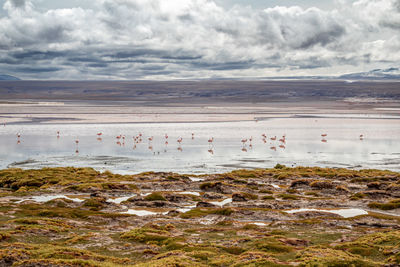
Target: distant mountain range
{"x":5,"y":77}
{"x":377,"y":74}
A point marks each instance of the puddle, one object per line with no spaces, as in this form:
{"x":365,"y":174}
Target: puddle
{"x":195,"y":179}
{"x":222,"y":203}
{"x":118,"y":200}
{"x":48,"y":198}
{"x":143,"y":212}
{"x":186,"y":209}
{"x":275,"y":186}
{"x":345,"y":213}
{"x":190,"y":193}
{"x":259,"y":224}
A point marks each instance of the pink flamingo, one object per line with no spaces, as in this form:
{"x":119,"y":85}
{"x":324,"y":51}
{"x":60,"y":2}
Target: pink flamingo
{"x":244,"y":149}
{"x":324,"y":141}
{"x":324,"y":135}
{"x":166,"y":136}
{"x":273,"y":148}
{"x":119,"y":137}
{"x":211,"y":140}
{"x":282,"y":146}
{"x":273,"y":138}
{"x":179,"y":140}
{"x":211,"y":151}
{"x":151,"y":139}
{"x":99,"y":134}
{"x":264,"y":135}
{"x":77,"y":141}
{"x":244,"y":141}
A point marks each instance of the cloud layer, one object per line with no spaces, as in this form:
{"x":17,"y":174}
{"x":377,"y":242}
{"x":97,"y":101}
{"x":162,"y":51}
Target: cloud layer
{"x":156,"y":39}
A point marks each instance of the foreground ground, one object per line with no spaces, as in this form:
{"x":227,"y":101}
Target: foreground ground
{"x":80,"y":217}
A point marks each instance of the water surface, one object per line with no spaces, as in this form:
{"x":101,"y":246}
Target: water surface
{"x":40,"y":147}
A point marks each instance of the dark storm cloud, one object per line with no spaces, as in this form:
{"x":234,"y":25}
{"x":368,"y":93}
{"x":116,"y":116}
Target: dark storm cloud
{"x":38,"y":69}
{"x":130,"y":39}
{"x":38,"y":55}
{"x":18,"y":3}
{"x":323,"y":38}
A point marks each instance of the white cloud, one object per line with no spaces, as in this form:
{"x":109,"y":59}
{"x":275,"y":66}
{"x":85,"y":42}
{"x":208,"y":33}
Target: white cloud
{"x":195,"y":38}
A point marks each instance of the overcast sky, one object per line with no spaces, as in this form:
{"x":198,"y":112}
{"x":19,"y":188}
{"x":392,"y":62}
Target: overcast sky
{"x":174,"y":39}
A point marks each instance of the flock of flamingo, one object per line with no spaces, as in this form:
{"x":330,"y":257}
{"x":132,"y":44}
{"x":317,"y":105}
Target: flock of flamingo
{"x":137,"y":139}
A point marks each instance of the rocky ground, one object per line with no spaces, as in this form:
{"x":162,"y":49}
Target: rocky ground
{"x":81,"y":217}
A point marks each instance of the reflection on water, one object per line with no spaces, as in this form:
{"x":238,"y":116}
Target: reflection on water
{"x":222,"y":203}
{"x":345,"y":213}
{"x":118,"y":200}
{"x":213,"y":147}
{"x":140,"y":212}
{"x":46,"y":198}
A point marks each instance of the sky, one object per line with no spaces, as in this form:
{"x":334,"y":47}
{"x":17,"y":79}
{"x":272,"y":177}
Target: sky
{"x":196,"y":39}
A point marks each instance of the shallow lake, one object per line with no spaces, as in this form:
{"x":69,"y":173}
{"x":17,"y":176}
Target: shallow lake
{"x":40,"y":147}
